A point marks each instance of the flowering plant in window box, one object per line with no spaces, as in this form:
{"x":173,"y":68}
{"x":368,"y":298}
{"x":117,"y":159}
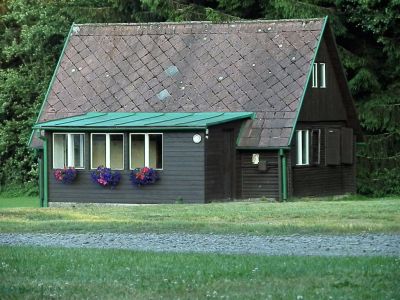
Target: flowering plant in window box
{"x":105,"y":177}
{"x":66,"y":175}
{"x":144,"y":176}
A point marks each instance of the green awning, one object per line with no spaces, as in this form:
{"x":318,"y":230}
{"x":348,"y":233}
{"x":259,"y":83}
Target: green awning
{"x":142,"y":120}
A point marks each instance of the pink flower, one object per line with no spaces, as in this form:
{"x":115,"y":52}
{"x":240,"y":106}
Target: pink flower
{"x":102,"y":181}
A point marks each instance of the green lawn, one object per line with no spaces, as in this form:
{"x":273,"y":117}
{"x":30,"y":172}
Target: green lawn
{"x":37,"y":273}
{"x":303,"y":217}
{"x":7,"y":202}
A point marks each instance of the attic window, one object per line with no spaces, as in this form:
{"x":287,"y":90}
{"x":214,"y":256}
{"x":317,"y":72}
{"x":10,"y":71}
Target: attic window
{"x":318,"y":75}
{"x":323,"y":77}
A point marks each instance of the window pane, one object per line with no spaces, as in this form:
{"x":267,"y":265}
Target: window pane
{"x":305,"y":147}
{"x":98,"y":150}
{"x":299,"y":148}
{"x":314,"y":75}
{"x":78,"y":142}
{"x":323,"y":78}
{"x":116,"y":151}
{"x":137,"y":151}
{"x":155,"y":151}
{"x":60,"y":151}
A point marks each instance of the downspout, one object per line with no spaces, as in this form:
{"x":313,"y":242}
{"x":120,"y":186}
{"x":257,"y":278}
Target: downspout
{"x":284,"y":174}
{"x":45,"y":173}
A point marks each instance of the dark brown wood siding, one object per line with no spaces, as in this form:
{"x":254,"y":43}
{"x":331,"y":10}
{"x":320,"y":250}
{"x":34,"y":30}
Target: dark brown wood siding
{"x":322,"y":179}
{"x":329,"y":109}
{"x":221,"y":169}
{"x":255,"y":183}
{"x":182,"y":177}
{"x":324,"y":104}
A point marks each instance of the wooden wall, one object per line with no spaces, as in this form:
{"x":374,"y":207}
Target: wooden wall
{"x":322,"y":179}
{"x":182,"y":176}
{"x":324,"y":104}
{"x":324,"y":108}
{"x":254,"y":183}
{"x":221,"y":169}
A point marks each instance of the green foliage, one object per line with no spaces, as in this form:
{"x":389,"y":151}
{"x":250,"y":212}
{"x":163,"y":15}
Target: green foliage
{"x":32,"y":34}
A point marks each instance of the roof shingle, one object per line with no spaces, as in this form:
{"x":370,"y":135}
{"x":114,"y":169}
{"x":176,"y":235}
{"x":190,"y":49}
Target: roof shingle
{"x":258,"y":66}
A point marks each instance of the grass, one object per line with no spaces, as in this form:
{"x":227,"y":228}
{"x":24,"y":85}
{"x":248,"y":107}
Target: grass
{"x":38,"y":273}
{"x":305,"y":217}
{"x":22,"y":201}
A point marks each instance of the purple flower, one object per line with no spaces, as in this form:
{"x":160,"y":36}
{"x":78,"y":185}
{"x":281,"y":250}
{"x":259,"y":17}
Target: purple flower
{"x":105,"y":177}
{"x":66,"y":175}
{"x":144,"y":176}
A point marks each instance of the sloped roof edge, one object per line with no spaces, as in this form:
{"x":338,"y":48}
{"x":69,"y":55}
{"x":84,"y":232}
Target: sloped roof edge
{"x":51,"y":82}
{"x":255,"y":21}
{"x":307,"y":80}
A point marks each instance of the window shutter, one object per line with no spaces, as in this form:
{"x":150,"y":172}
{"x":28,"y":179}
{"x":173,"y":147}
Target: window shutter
{"x":315,"y":146}
{"x":332,"y":146}
{"x":347,"y":145}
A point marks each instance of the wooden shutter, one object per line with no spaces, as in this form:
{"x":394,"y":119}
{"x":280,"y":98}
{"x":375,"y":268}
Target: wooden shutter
{"x":315,"y":146}
{"x":347,"y":145}
{"x":332,"y":146}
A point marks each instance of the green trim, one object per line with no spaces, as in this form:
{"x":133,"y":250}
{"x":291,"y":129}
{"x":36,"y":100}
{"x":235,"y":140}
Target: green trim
{"x":255,"y":148}
{"x":45,"y":173}
{"x":252,"y":116}
{"x":41,"y":181}
{"x":52,"y":80}
{"x":308,"y":79}
{"x":115,"y":129}
{"x":283,"y":174}
{"x":142,"y":120}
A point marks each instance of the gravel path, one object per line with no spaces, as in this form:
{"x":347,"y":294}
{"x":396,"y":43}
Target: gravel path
{"x":347,"y":245}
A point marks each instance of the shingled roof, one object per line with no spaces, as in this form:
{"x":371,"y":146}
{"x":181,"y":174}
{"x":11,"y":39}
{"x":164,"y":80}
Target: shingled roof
{"x":257,"y":66}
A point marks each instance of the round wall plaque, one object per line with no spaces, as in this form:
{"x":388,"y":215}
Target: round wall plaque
{"x":197,"y":138}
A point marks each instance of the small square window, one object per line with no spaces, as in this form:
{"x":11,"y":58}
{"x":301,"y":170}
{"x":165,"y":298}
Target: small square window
{"x":107,"y":149}
{"x":146,"y":150}
{"x":68,"y":150}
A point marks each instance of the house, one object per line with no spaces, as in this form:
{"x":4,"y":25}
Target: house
{"x":227,"y":111}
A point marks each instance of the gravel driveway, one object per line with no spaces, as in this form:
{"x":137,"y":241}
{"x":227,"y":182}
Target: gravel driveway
{"x":343,"y":245}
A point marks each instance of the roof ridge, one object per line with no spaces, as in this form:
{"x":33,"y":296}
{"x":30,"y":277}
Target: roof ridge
{"x":254,"y":21}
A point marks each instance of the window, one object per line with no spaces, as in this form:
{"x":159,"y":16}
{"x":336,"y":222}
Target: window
{"x":315,"y":146}
{"x":318,"y":75}
{"x":107,"y":149}
{"x":146,"y":150}
{"x":323,"y":77}
{"x":315,"y":75}
{"x":68,"y":150}
{"x":302,"y":147}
